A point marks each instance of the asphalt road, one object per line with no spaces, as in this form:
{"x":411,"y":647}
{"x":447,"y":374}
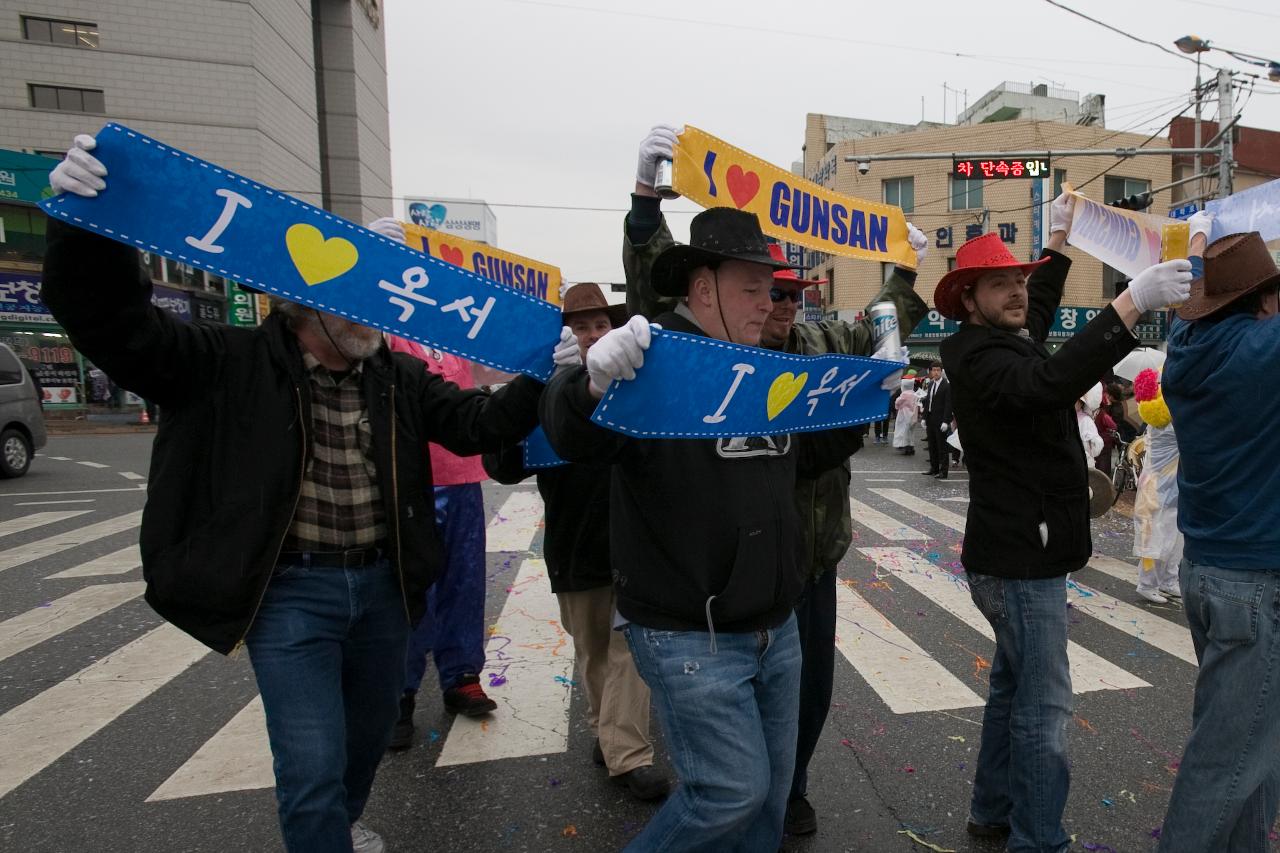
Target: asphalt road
{"x":116,"y":736}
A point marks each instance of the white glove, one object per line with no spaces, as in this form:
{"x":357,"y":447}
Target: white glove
{"x":658,"y":145}
{"x":1061,"y":212}
{"x":919,"y":242}
{"x":1162,"y":285}
{"x":567,"y":353}
{"x":618,"y":354}
{"x":893,"y":381}
{"x":1201,"y":223}
{"x":944,"y":427}
{"x":388,"y":227}
{"x":80,"y":173}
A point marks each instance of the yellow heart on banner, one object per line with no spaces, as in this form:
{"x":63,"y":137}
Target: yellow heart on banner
{"x":783,"y":390}
{"x":317,"y":259}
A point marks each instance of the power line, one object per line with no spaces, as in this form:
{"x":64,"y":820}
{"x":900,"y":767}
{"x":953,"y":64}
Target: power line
{"x":1227,"y":8}
{"x":1119,"y":31}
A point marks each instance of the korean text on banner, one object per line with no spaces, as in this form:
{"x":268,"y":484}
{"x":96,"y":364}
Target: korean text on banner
{"x":713,"y":173}
{"x":524,"y":274}
{"x":709,"y":388}
{"x":1254,"y":209}
{"x":165,"y":201}
{"x":1124,"y":239}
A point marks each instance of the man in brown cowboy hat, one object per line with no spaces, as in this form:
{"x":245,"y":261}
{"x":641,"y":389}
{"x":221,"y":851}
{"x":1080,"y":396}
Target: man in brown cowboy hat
{"x":705,"y":547}
{"x":576,"y":497}
{"x":822,"y":500}
{"x":1028,"y":519}
{"x":1225,"y":796}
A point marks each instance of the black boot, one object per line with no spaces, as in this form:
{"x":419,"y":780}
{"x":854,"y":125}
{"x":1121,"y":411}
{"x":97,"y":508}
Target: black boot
{"x":402,"y":732}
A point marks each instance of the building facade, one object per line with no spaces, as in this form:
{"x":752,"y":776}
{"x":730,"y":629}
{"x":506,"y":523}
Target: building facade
{"x":292,"y":94}
{"x":951,"y":210}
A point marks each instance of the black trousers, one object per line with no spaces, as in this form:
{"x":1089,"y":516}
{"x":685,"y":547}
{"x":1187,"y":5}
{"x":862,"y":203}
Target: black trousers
{"x":882,"y":428}
{"x":816,"y":622}
{"x":939,"y":450}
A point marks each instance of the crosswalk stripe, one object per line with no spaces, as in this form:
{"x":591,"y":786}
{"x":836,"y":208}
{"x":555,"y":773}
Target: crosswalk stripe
{"x":44,"y":728}
{"x":534,"y":654}
{"x":1088,"y":671}
{"x":1134,"y":621}
{"x":1118,"y":569}
{"x":945,"y":517}
{"x":516,"y":523}
{"x":882,"y":524}
{"x":904,"y":675}
{"x":36,"y":519}
{"x":237,"y":758}
{"x":66,"y":541}
{"x":116,"y":563}
{"x":93,"y":464}
{"x":35,"y":626}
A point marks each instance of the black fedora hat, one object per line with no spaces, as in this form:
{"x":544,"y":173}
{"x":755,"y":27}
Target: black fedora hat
{"x":718,"y":234}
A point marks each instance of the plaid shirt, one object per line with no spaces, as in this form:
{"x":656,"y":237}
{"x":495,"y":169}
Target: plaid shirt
{"x":340,"y":505}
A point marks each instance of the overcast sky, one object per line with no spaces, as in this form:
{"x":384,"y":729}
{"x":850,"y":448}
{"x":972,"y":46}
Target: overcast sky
{"x":526,"y":102}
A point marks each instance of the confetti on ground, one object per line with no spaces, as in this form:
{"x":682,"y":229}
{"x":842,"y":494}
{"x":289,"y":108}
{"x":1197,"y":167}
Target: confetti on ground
{"x":1086,"y":725}
{"x":918,"y":840}
{"x":555,"y":783}
{"x":958,"y":738}
{"x":1129,"y":795}
{"x":434,"y":735}
{"x":1098,"y":848}
{"x":908,"y":769}
{"x":567,"y":682}
{"x":570,"y":831}
{"x":1107,"y":802}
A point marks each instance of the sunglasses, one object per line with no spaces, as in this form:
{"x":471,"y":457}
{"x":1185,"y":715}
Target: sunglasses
{"x":777,"y":294}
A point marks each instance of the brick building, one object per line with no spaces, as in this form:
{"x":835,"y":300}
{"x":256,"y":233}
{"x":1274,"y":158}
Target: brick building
{"x":950,"y":211}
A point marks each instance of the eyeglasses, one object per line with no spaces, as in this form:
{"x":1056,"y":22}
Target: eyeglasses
{"x":777,"y":294}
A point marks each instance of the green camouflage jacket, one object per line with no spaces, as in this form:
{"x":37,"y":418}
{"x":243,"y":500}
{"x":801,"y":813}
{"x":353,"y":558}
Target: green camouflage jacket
{"x":823,"y":502}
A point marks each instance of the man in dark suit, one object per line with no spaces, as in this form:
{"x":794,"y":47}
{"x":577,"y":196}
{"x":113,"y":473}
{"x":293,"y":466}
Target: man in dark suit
{"x":1028,"y":521}
{"x":937,"y":421}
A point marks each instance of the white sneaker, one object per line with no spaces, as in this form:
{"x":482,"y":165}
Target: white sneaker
{"x":1152,"y":596}
{"x":365,"y":840}
{"x":1171,"y":591}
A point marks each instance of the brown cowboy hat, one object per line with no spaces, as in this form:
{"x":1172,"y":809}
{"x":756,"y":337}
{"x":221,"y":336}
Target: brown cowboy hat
{"x":717,"y":234}
{"x":587,"y":296}
{"x":980,"y":255}
{"x":1234,"y":266}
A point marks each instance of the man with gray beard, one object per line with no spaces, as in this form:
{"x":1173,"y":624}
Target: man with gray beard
{"x":286,"y":509}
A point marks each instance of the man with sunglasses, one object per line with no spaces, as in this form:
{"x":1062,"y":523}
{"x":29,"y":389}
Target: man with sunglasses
{"x":822,"y":502}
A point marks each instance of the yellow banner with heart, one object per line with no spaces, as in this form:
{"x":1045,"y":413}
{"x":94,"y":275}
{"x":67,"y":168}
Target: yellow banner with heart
{"x":713,"y":173}
{"x":524,"y":274}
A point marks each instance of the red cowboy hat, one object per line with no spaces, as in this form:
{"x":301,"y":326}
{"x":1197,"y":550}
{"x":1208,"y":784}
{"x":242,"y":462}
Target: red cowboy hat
{"x":979,"y":255}
{"x":788,"y":276}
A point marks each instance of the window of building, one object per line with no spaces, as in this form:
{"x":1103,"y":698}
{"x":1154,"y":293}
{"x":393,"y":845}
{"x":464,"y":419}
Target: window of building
{"x":901,"y":192}
{"x":1059,"y":177}
{"x":951,"y":263}
{"x":966,"y":194}
{"x":831,"y":289}
{"x":1114,"y":282}
{"x":67,"y":99}
{"x":1115,"y":188}
{"x":54,"y":31}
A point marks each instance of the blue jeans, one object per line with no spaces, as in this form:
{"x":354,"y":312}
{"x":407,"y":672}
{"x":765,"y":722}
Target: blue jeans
{"x":1023,"y":777}
{"x":452,"y":629}
{"x":1228,"y":784}
{"x":730,"y":724}
{"x":327,"y":648}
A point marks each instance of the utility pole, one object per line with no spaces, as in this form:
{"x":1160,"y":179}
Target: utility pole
{"x":1226,"y":112}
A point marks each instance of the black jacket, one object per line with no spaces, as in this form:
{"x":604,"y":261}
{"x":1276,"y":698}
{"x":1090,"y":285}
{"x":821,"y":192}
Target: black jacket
{"x":227,"y":463}
{"x":703,"y":532}
{"x":1015,"y":410}
{"x":576,"y":530}
{"x":939,"y":412}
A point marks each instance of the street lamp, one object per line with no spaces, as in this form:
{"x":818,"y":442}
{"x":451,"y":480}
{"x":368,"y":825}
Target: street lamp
{"x":1196,"y":45}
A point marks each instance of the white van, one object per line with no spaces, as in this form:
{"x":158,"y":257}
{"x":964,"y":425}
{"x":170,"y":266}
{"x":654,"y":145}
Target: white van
{"x":21,"y":418}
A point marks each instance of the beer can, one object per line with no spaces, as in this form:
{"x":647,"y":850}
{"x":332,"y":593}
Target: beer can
{"x":664,"y":178}
{"x":884,"y":327}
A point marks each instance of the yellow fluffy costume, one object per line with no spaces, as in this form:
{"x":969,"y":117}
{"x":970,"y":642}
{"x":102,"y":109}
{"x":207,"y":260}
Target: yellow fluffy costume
{"x":1156,"y":539}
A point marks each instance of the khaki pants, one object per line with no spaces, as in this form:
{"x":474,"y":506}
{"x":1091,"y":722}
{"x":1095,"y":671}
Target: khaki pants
{"x":617,"y":698}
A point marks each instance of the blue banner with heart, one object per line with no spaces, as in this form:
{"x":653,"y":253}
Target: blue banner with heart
{"x":696,"y":387}
{"x":538,"y":452}
{"x":165,"y":201}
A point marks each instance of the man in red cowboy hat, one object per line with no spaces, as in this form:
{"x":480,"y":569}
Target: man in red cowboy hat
{"x":1028,"y":520}
{"x":1225,"y":796}
{"x":576,"y":497}
{"x":821,"y":499}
